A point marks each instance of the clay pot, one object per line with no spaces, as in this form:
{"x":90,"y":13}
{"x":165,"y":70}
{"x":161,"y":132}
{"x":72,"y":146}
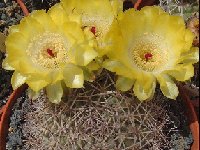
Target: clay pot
{"x":138,"y":4}
{"x":191,"y":115}
{"x":146,"y":3}
{"x":5,"y":113}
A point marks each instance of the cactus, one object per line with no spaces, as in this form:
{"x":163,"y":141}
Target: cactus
{"x":98,"y":117}
{"x":180,"y":7}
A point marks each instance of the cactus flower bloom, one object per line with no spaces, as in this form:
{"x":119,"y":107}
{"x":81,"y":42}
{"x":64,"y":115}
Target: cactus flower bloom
{"x":48,"y":50}
{"x":149,"y":46}
{"x":96,"y":16}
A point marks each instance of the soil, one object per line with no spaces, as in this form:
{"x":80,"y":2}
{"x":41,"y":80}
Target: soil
{"x":5,"y":85}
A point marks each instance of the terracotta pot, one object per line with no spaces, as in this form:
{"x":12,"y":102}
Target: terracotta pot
{"x":146,"y":3}
{"x":7,"y":110}
{"x":191,"y":115}
{"x":5,"y":113}
{"x":138,"y":4}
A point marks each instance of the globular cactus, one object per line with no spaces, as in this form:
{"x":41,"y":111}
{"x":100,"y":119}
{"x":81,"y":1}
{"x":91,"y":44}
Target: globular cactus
{"x":97,"y":117}
{"x":183,"y":8}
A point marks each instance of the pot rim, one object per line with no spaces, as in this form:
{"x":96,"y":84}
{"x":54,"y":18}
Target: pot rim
{"x":191,"y":115}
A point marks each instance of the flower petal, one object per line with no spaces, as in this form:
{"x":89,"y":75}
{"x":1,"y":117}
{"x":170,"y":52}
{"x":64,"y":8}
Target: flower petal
{"x":58,"y":15}
{"x":17,"y":80}
{"x":6,"y":65}
{"x":86,"y":7}
{"x":13,"y":29}
{"x":119,"y":68}
{"x":98,"y":13}
{"x":124,"y":84}
{"x":168,"y":87}
{"x":189,"y":36}
{"x":84,"y":55}
{"x":44,"y":19}
{"x":88,"y":74}
{"x":36,"y":83}
{"x":117,"y":6}
{"x":56,"y":75}
{"x":54,"y":92}
{"x":94,"y":65}
{"x":32,"y":95}
{"x":30,"y":27}
{"x":16,"y":49}
{"x":191,"y":56}
{"x":182,"y":72}
{"x":144,"y":89}
{"x":72,"y":32}
{"x":73,"y":76}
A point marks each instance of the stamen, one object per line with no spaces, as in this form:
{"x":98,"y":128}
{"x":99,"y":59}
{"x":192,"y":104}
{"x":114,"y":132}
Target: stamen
{"x":49,"y":50}
{"x":149,"y":53}
{"x":148,"y":56}
{"x":93,"y":30}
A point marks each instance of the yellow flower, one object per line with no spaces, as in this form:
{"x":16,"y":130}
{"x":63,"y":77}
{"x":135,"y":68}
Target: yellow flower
{"x":96,"y":16}
{"x":149,"y":46}
{"x":47,"y":50}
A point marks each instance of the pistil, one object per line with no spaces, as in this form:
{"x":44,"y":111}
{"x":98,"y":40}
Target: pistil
{"x":50,"y":52}
{"x":93,"y":30}
{"x":148,"y":56}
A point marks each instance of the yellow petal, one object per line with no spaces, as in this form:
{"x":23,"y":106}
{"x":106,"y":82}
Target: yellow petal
{"x":72,"y":29}
{"x":75,"y":18}
{"x":58,"y":15}
{"x":189,"y":36}
{"x":56,"y":75}
{"x":88,"y":74}
{"x":54,"y":92}
{"x":32,"y":95}
{"x":191,"y":56}
{"x":73,"y":76}
{"x":98,"y":13}
{"x":16,"y":44}
{"x":124,"y":84}
{"x":25,"y":66}
{"x":30,"y":27}
{"x":17,"y":80}
{"x":6,"y":66}
{"x":182,"y":72}
{"x":88,"y":7}
{"x":36,"y":83}
{"x":144,"y":89}
{"x":167,"y":86}
{"x":13,"y":29}
{"x":134,"y":24}
{"x":112,"y":42}
{"x":13,"y":62}
{"x":117,"y":6}
{"x":94,"y":65}
{"x":119,"y":68}
{"x":84,"y":55}
{"x":44,"y":19}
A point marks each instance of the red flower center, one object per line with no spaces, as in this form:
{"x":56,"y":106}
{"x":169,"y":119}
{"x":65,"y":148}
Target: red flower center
{"x":148,"y":56}
{"x":93,"y":30}
{"x":50,"y":52}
